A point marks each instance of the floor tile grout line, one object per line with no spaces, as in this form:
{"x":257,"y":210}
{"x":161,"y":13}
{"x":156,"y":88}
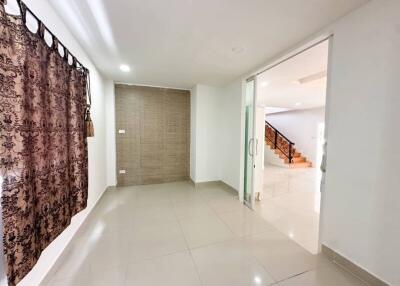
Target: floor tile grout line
{"x":207,"y":245}
{"x":156,"y":257}
{"x":294,"y":275}
{"x":349,"y":272}
{"x":281,"y":232}
{"x":212,"y":244}
{"x":287,"y":209}
{"x":262,"y":266}
{"x":293,"y":177}
{"x":190,"y":250}
{"x":252,"y":255}
{"x":170,"y":205}
{"x":218,"y":215}
{"x":191,"y":255}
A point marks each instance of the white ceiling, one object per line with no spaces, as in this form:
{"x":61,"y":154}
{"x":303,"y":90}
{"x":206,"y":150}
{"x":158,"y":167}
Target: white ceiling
{"x":280,"y":87}
{"x":179,"y":43}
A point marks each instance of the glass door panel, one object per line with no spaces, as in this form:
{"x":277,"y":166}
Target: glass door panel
{"x":249,"y":143}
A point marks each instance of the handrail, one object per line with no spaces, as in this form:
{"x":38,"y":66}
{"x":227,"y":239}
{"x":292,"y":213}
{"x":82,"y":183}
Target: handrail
{"x":275,"y":141}
{"x":279,"y":132}
{"x":277,"y":147}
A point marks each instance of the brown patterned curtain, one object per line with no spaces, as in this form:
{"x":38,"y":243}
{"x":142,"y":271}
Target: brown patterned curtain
{"x":43,"y":149}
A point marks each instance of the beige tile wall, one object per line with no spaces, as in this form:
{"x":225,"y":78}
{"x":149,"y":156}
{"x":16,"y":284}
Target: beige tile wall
{"x":156,"y":144}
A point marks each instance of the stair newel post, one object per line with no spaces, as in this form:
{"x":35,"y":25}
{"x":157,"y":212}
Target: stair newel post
{"x":290,"y":153}
{"x":276,"y":139}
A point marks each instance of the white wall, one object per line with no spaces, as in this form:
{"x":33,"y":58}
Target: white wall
{"x":193,"y":122}
{"x":270,"y":158}
{"x":204,"y":133}
{"x":230,"y":134}
{"x":215,"y":139}
{"x":96,"y":145}
{"x":301,"y":127}
{"x":361,"y":206}
{"x":110,"y":133}
{"x":361,"y":199}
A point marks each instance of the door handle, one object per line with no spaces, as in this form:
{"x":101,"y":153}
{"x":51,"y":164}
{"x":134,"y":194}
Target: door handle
{"x":250,"y":145}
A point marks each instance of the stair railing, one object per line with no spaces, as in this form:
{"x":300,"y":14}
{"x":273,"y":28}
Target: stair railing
{"x":279,"y":141}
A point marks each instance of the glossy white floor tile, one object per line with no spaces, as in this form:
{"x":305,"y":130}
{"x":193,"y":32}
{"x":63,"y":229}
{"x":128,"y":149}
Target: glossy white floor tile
{"x":176,"y":235}
{"x":155,"y":241}
{"x":281,"y":256}
{"x":325,"y":276}
{"x":191,"y":209}
{"x":205,"y":230}
{"x":245,"y":222}
{"x":222,"y":205}
{"x":171,"y":270}
{"x":230,"y":264}
{"x":290,"y":201}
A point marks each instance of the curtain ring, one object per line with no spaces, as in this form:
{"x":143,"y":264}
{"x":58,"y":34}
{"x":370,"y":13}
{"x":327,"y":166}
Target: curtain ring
{"x":54,"y":45}
{"x":66,"y":53}
{"x":22,"y":8}
{"x":41,"y":30}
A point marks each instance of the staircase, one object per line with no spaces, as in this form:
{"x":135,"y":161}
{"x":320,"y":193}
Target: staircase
{"x":284,"y":148}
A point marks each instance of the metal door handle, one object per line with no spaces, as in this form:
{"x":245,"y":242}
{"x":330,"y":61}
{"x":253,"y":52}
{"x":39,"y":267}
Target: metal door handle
{"x":250,"y":152}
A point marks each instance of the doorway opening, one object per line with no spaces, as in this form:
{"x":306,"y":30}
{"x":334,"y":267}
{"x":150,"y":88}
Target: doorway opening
{"x":289,"y":125}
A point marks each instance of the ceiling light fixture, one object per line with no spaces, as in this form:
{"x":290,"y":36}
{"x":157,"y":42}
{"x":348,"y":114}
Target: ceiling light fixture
{"x":313,"y":77}
{"x":257,"y":280}
{"x":265,"y":83}
{"x":298,"y":103}
{"x":125,"y":68}
{"x":237,"y":50}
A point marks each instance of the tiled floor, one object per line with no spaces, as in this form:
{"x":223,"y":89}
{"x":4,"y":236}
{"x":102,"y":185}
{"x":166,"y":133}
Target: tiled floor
{"x":174,"y":235}
{"x":291,"y":202}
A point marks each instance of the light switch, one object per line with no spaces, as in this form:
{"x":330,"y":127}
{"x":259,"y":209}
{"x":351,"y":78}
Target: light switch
{"x":121,"y":131}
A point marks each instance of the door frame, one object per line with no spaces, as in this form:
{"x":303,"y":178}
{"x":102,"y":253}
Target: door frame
{"x":328,"y":36}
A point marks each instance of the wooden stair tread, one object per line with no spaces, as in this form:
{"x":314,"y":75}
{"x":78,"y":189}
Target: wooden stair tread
{"x":295,"y":160}
{"x":279,"y":152}
{"x":298,"y":161}
{"x":300,"y":165}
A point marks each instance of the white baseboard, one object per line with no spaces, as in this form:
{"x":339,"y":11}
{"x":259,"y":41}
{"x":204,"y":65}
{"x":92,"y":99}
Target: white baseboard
{"x":47,"y":276}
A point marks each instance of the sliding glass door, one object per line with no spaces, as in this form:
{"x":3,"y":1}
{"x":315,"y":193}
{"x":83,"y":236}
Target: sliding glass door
{"x":249,"y":143}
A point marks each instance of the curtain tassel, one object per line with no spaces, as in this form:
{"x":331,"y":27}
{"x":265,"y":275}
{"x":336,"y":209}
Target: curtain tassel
{"x":89,"y":124}
{"x":88,"y":120}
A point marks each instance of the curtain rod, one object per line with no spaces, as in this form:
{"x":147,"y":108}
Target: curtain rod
{"x":20,"y":3}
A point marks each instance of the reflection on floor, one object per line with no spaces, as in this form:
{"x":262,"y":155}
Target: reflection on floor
{"x":291,"y":202}
{"x":174,"y":235}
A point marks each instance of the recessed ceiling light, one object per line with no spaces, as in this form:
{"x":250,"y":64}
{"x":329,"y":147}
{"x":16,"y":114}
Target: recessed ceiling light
{"x":237,"y":50}
{"x":125,"y":68}
{"x":313,"y":77}
{"x":265,"y":83}
{"x":298,"y":103}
